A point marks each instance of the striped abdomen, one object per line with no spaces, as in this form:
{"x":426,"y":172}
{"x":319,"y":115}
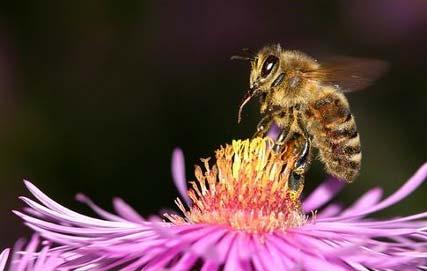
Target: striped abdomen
{"x":335,"y":135}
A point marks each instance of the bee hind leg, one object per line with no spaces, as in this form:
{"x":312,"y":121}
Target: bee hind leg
{"x":295,"y":184}
{"x":303,"y":158}
{"x":296,"y":178}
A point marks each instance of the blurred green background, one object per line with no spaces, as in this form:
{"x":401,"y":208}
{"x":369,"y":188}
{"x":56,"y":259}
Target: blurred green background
{"x":94,"y":95}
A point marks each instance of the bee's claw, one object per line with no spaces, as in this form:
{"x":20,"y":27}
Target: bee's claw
{"x":281,"y":140}
{"x":296,"y":182}
{"x":263,"y":126}
{"x":278,"y":146}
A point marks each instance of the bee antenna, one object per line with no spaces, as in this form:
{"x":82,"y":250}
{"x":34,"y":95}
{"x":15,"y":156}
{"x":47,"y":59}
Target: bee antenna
{"x":247,"y":50}
{"x":240,"y":58}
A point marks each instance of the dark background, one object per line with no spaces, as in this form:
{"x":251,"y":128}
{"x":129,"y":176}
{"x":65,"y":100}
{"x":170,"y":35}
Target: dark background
{"x":94,"y":95}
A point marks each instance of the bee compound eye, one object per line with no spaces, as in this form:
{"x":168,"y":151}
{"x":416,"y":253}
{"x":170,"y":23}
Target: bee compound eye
{"x":268,"y":65}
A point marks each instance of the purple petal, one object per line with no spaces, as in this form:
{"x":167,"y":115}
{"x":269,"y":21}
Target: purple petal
{"x":210,"y":266}
{"x":205,"y":246}
{"x":41,"y":259}
{"x":3,"y":258}
{"x":416,"y":180}
{"x":329,"y":211}
{"x":101,"y":212}
{"x":126,"y":211}
{"x":223,"y":247}
{"x":357,"y":266}
{"x":368,"y":200}
{"x":63,"y":228}
{"x":314,"y":263}
{"x":178,"y":174}
{"x":324,"y":193}
{"x":19,"y":245}
{"x":278,"y":256}
{"x":348,"y":228}
{"x":294,"y":255}
{"x":244,"y":250}
{"x":31,"y":247}
{"x":233,"y":262}
{"x":72,"y":216}
{"x":53,"y":208}
{"x":300,"y":257}
{"x":78,"y":262}
{"x":185,"y":262}
{"x":266,"y":259}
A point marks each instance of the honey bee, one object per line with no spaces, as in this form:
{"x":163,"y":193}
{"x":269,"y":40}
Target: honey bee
{"x":305,"y":99}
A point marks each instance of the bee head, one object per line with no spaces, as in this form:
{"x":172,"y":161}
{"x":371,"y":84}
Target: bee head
{"x":266,"y":71}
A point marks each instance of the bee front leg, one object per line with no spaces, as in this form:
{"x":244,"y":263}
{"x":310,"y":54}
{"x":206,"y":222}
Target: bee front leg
{"x":263,"y":126}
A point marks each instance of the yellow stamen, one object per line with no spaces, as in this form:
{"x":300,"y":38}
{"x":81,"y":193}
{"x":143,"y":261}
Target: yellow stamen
{"x":246,"y":189}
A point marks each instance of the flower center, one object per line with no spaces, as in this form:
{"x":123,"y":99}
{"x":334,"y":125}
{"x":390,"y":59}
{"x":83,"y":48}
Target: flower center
{"x":246,"y":189}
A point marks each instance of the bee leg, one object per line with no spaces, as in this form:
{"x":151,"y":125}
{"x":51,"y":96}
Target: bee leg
{"x":303,"y":159}
{"x":295,"y":184}
{"x":296,"y":179}
{"x":263,"y":126}
{"x":281,"y":140}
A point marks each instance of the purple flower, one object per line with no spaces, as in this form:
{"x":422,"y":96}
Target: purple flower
{"x":242,"y":217}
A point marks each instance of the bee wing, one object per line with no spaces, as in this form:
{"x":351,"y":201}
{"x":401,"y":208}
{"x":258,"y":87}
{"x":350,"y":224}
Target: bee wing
{"x":348,"y":73}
